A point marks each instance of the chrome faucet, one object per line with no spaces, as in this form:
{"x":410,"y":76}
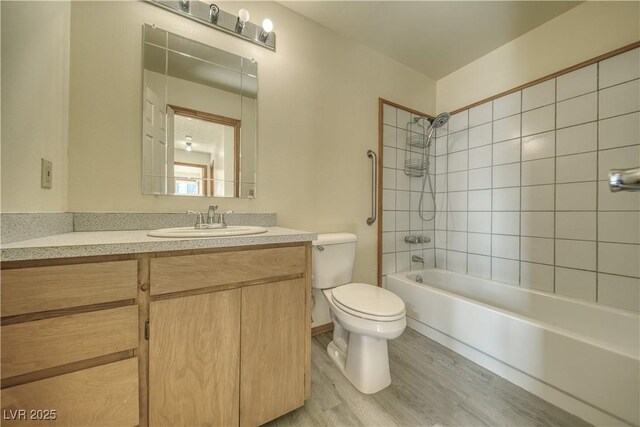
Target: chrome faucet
{"x":200,"y":222}
{"x":211,"y":215}
{"x":416,"y":258}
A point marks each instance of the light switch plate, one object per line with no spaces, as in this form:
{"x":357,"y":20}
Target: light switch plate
{"x":46,"y":174}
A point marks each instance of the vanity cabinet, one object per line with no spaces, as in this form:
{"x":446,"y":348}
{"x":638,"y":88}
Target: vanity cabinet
{"x":228,"y":337}
{"x":215,"y":337}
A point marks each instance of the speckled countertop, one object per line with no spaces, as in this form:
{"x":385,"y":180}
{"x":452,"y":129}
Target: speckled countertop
{"x":93,"y":243}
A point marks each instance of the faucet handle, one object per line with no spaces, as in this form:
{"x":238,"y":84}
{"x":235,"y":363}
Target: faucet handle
{"x":223,"y":218}
{"x":199,"y":218}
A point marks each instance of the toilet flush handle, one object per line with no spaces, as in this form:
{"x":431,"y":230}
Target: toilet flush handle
{"x":319,"y":248}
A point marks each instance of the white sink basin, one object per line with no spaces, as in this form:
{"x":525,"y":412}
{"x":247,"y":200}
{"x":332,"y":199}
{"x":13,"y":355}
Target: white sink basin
{"x":182,"y":232}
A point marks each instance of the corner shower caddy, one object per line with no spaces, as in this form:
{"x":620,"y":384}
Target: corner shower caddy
{"x":416,"y":138}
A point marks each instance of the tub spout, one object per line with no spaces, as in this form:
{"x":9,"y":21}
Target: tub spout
{"x":416,"y":258}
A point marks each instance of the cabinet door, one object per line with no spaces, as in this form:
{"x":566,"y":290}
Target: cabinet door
{"x":272,"y":355}
{"x":194,"y":352}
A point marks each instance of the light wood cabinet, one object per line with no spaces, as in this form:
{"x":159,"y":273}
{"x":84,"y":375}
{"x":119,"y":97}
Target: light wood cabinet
{"x":217,"y":337}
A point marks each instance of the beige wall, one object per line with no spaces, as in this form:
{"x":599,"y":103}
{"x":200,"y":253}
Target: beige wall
{"x":582,"y":33}
{"x":318,"y":115}
{"x":35,"y":104}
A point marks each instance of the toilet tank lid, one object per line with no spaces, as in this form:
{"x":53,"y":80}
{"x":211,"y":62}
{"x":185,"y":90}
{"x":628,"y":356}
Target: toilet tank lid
{"x":334,"y":238}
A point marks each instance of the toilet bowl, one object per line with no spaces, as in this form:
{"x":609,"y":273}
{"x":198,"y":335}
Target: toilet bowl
{"x":364,"y":316}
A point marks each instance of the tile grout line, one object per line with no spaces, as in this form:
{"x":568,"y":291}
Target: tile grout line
{"x":555,"y":188}
{"x":597,"y":173}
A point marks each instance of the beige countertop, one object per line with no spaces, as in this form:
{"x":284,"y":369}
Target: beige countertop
{"x":94,"y":243}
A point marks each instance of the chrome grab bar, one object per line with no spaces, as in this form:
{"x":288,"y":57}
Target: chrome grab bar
{"x":374,"y":187}
{"x":624,"y":179}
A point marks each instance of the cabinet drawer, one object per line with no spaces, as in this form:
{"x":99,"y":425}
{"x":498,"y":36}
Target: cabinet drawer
{"x":181,"y":273}
{"x":30,"y":290}
{"x":34,"y":346}
{"x":105,"y":395}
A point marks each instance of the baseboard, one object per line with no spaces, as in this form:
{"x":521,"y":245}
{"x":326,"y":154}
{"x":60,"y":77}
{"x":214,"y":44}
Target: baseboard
{"x":317,"y":330}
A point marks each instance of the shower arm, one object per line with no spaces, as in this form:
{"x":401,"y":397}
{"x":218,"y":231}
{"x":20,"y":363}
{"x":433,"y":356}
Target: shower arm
{"x":625,"y":179}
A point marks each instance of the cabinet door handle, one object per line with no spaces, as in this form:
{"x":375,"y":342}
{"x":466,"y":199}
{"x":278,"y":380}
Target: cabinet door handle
{"x":146,"y":329}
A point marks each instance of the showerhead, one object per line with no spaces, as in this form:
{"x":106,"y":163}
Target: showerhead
{"x":440,"y":120}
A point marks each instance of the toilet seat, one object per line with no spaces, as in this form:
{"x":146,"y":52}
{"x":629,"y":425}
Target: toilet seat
{"x":368,"y":302}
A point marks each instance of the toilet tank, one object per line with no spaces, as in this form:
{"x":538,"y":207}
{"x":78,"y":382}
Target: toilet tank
{"x":333,"y":257}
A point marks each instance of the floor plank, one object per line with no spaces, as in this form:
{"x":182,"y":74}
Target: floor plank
{"x":431,"y":386}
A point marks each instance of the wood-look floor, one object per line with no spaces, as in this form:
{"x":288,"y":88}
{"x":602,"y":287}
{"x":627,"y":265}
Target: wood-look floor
{"x":431,"y":385}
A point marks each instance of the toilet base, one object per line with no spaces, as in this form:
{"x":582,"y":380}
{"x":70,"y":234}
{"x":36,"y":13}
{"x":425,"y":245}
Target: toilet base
{"x":365,"y":363}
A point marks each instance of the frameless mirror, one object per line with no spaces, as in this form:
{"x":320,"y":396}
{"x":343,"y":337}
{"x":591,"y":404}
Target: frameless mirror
{"x":199,"y":121}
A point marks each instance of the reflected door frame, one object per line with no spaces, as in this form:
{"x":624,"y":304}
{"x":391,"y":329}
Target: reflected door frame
{"x":221,"y":120}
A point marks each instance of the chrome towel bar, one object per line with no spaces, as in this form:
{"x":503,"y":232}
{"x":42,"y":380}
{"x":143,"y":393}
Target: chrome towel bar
{"x":374,"y":187}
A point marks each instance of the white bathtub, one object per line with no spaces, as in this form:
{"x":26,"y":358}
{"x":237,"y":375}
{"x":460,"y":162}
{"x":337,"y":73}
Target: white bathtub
{"x":580,"y":356}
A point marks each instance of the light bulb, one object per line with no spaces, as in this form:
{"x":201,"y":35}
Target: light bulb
{"x":267,"y":25}
{"x":243,"y":15}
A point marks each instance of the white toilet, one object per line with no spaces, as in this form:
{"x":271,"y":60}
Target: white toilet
{"x":364,"y":316}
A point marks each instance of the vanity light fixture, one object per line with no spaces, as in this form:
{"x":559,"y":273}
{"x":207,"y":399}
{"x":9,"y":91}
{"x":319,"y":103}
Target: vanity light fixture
{"x":267,"y":28}
{"x":243,"y":17}
{"x":211,"y":15}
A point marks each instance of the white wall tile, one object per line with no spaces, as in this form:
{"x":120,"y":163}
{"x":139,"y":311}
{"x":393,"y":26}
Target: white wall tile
{"x":481,"y":114}
{"x":458,"y":141}
{"x":480,"y":135}
{"x":619,"y":291}
{"x":457,"y":181}
{"x":480,"y":179}
{"x":457,"y":261}
{"x":539,"y":146}
{"x":389,"y":136}
{"x":576,"y":197}
{"x":577,"y":167}
{"x":401,"y":245}
{"x":480,"y":200}
{"x":620,"y":99}
{"x":442,"y":130}
{"x":441,"y":145}
{"x":506,"y":152}
{"x":577,"y":139}
{"x":536,"y":276}
{"x":441,"y":239}
{"x":389,"y":114}
{"x":480,"y":222}
{"x":479,"y":266}
{"x":388,"y":263}
{"x":506,"y":199}
{"x":388,"y":200}
{"x":441,"y":164}
{"x":506,"y":175}
{"x":457,"y":201}
{"x":505,"y":223}
{"x":415,"y":222}
{"x":505,"y":246}
{"x":619,"y":131}
{"x":402,"y":221}
{"x":441,"y":258}
{"x":388,"y":221}
{"x":538,"y":198}
{"x":539,"y":95}
{"x":403,"y":261}
{"x":577,"y":82}
{"x":401,"y":155}
{"x":479,"y":243}
{"x":457,"y":221}
{"x":388,"y":242}
{"x":388,"y":178}
{"x":480,"y":157}
{"x":537,"y":172}
{"x":620,"y":68}
{"x":389,"y":157}
{"x":507,"y":105}
{"x":402,"y":181}
{"x":459,"y":122}
{"x":578,"y":110}
{"x":457,"y":241}
{"x":505,"y":270}
{"x":537,"y":224}
{"x":576,"y":225}
{"x":441,"y":202}
{"x":457,"y":161}
{"x":402,"y":201}
{"x":619,"y":227}
{"x":619,"y":258}
{"x":621,"y":201}
{"x":535,"y":249}
{"x":576,"y":254}
{"x":403,"y":117}
{"x":617,"y":158}
{"x":539,"y":120}
{"x":508,"y":128}
{"x":576,"y":283}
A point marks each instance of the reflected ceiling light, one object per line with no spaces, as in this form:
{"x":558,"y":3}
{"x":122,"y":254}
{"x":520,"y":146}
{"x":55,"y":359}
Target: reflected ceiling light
{"x":214,"y":12}
{"x":184,"y":5}
{"x":188,"y":143}
{"x":267,"y":27}
{"x":243,"y":17}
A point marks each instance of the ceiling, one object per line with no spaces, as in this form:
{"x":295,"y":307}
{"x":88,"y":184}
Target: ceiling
{"x":434,"y":38}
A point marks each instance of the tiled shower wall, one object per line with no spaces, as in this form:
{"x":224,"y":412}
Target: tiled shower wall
{"x":401,"y":197}
{"x":522,"y":193}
